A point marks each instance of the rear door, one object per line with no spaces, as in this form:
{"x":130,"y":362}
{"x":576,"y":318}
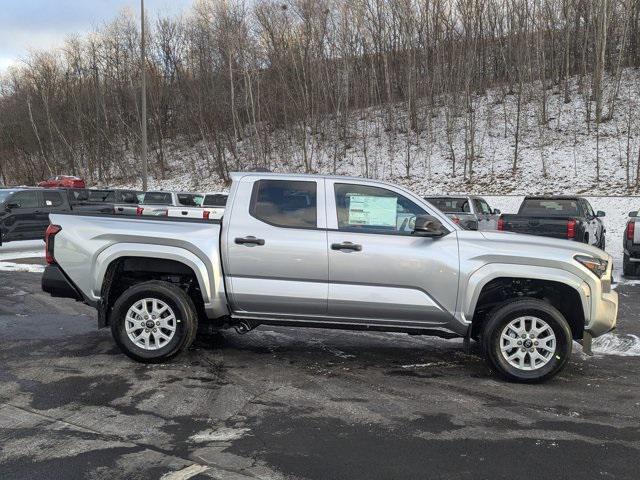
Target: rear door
{"x":379,"y":273}
{"x":276,"y":247}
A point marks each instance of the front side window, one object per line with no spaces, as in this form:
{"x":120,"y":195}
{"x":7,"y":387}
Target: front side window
{"x":451,"y":204}
{"x":374,"y":209}
{"x":482,"y":207}
{"x":285,"y":203}
{"x":25,"y":199}
{"x":52,"y":199}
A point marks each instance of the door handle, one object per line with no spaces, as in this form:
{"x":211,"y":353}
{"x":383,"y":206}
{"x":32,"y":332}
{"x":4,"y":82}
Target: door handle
{"x":250,"y":240}
{"x":185,"y":213}
{"x":346,"y":246}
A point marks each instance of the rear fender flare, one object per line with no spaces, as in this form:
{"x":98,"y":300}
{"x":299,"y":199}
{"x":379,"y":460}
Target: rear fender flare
{"x":121,"y":250}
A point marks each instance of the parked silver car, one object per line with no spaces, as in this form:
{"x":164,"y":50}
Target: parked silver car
{"x":333,"y":252}
{"x":470,"y":212}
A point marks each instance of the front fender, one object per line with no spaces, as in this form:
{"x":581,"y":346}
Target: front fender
{"x":479,"y":278}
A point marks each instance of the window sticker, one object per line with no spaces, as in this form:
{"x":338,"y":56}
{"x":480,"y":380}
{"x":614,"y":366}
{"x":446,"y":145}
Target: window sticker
{"x":49,"y":203}
{"x":368,"y":210}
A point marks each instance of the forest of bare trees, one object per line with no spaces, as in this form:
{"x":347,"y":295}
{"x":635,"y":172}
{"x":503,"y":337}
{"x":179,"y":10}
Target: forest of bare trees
{"x":229,"y":72}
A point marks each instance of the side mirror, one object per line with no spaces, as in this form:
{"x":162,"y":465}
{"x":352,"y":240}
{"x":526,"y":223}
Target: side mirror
{"x":428,"y":226}
{"x":11,"y":206}
{"x":634,"y":213}
{"x":496,"y":211}
{"x":600,"y":214}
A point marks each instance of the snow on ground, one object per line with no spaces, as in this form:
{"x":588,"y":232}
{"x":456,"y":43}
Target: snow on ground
{"x":27,"y":249}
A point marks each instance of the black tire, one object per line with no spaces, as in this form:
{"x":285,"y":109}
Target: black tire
{"x":628,"y":267}
{"x":603,"y":242}
{"x":185,"y":312}
{"x":498,"y":320}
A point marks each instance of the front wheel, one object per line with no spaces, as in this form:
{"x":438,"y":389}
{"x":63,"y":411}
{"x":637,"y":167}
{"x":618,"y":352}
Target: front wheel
{"x":527,"y":341}
{"x":153,"y":321}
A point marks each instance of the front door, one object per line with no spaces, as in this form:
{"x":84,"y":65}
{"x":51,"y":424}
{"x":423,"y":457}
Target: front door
{"x":22,"y":223}
{"x":487,"y":220}
{"x":379,"y":273}
{"x":276,"y":247}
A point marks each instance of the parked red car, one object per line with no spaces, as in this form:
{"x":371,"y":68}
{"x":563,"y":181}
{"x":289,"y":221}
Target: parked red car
{"x":65,"y":181}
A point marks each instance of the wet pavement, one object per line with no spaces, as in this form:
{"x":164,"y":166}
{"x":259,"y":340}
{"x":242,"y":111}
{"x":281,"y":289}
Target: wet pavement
{"x":284,"y":403}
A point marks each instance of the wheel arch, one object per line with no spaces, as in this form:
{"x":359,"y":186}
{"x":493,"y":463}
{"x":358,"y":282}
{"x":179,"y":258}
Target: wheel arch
{"x":157,"y":262}
{"x":495,"y":284}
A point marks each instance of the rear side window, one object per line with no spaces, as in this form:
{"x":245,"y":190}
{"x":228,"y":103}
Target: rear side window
{"x":550,"y":208}
{"x":216,"y":200}
{"x":25,"y":199}
{"x":129,"y":197}
{"x":52,"y":199}
{"x":101,"y":196}
{"x":190,"y":199}
{"x":285,"y":203}
{"x":157,"y":198}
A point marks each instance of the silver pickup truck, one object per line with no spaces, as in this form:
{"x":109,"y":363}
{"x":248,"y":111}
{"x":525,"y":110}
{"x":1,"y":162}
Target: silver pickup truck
{"x":330,"y":252}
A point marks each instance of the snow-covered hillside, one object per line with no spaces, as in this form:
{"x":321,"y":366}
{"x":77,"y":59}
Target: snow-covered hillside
{"x":557,"y":157}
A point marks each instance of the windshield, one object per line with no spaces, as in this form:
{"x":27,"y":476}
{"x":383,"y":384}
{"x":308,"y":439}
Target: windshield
{"x":215,"y":200}
{"x":549,"y":208}
{"x":4,"y":194}
{"x":450,"y":205}
{"x":157,"y":198}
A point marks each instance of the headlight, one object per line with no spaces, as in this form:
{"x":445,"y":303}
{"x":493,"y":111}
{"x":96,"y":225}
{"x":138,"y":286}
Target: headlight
{"x":596,"y":265}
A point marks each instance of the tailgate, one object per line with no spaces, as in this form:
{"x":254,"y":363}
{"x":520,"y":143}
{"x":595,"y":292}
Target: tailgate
{"x":185,"y":212}
{"x":543,"y":226}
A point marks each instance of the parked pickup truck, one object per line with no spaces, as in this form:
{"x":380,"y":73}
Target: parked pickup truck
{"x":24,"y":212}
{"x":631,"y":246}
{"x":471,"y":213}
{"x":329,"y":252}
{"x":171,"y":204}
{"x":213,"y":205}
{"x":571,"y":218}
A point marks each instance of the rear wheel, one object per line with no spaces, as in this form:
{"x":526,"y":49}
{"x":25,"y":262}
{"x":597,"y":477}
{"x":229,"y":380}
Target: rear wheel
{"x":527,"y":340}
{"x":154,"y":321}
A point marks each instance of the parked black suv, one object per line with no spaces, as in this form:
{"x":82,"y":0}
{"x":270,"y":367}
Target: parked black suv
{"x":24,"y":212}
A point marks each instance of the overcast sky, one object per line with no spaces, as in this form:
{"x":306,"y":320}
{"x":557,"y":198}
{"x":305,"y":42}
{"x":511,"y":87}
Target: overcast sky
{"x":39,"y":24}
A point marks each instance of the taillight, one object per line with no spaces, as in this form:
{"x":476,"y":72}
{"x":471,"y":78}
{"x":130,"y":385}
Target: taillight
{"x":571,"y":228}
{"x":205,"y":214}
{"x":500,"y":225}
{"x":49,"y":235}
{"x":631,"y":229}
{"x":139,"y":211}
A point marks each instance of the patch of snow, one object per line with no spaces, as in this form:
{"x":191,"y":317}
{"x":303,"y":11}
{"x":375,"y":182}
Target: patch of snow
{"x":223,"y":434}
{"x":20,"y":267}
{"x":616,"y":344}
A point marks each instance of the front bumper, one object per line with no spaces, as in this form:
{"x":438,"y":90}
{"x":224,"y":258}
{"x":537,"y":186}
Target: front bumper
{"x":604,"y":306}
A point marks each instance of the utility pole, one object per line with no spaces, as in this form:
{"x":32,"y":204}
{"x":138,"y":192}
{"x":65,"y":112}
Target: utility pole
{"x":143,"y":101}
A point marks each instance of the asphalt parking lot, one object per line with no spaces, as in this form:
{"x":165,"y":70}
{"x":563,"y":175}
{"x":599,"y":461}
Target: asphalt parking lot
{"x":278,"y":403}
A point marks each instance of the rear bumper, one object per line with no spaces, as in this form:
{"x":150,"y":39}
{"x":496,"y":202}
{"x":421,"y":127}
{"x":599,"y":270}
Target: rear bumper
{"x":57,"y":284}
